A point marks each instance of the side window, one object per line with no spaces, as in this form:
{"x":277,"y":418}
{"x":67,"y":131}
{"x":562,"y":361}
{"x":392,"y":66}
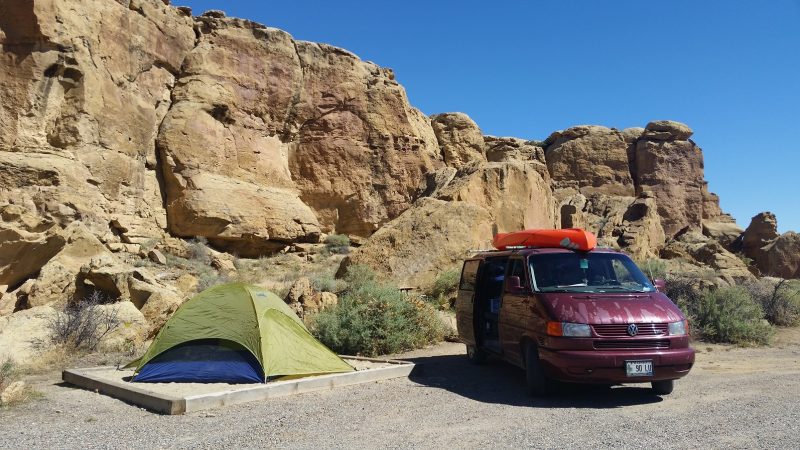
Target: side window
{"x":518,"y":270}
{"x":468,"y":275}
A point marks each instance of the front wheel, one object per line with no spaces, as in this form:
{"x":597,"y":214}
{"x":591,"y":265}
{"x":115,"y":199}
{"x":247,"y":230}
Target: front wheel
{"x":664,"y":387}
{"x":475,"y":355}
{"x":538,"y":384}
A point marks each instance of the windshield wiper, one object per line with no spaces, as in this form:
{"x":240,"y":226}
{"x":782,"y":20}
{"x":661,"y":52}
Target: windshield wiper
{"x":623,"y":288}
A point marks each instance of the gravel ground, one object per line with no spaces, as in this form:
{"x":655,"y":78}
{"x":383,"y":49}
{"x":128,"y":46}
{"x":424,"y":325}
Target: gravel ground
{"x":734,"y":398}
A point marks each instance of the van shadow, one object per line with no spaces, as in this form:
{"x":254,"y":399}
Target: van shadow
{"x":499,"y":382}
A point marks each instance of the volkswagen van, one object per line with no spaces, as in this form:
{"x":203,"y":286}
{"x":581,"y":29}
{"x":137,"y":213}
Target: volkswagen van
{"x":571,"y":315}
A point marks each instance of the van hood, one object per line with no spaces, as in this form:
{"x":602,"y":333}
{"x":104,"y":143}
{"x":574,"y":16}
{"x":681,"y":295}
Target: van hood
{"x":645,"y":307}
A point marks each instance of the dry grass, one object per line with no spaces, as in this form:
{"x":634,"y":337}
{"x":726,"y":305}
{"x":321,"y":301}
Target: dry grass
{"x":13,"y":390}
{"x":53,"y":359}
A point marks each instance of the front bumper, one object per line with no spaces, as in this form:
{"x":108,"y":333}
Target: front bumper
{"x":592,"y":366}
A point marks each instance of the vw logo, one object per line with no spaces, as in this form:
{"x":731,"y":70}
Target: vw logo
{"x":633,"y":330}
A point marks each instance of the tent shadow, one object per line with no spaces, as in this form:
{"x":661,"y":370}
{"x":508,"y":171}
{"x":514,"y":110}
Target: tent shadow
{"x":499,"y":382}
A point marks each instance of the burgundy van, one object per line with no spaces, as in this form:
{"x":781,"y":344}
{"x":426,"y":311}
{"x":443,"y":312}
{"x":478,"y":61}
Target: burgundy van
{"x":575,"y":316}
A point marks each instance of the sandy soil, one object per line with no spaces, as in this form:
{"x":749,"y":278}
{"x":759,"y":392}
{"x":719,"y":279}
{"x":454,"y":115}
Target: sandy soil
{"x":733,"y":398}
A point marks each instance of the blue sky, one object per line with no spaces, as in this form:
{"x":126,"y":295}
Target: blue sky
{"x":729,"y":69}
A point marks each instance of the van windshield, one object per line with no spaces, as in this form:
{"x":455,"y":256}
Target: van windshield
{"x":587,"y":272}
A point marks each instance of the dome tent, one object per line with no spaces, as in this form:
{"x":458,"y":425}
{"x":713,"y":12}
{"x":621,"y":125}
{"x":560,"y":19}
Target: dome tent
{"x":234,"y":333}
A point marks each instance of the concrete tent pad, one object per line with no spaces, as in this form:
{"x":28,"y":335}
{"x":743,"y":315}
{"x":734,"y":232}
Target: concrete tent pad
{"x":179,"y":398}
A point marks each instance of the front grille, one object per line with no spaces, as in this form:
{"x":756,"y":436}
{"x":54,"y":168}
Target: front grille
{"x":621,"y":329}
{"x":632,"y":344}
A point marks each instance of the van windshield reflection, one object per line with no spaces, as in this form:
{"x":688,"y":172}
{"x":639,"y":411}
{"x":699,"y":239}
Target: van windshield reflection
{"x":587,"y":272}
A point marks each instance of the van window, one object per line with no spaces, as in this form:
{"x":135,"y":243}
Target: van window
{"x":518,"y":270}
{"x":468,"y":275}
{"x":587,"y":272}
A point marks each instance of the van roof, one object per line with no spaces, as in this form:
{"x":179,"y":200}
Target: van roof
{"x":535,"y":250}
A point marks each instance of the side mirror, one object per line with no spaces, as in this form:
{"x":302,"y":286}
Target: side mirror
{"x":660,"y":284}
{"x":514,"y":284}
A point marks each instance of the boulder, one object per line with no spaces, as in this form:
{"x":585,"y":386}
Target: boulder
{"x":783,"y":256}
{"x":763,"y":229}
{"x":433,"y":235}
{"x":157,"y":257}
{"x":304,"y":300}
{"x":460,"y":139}
{"x":667,"y":130}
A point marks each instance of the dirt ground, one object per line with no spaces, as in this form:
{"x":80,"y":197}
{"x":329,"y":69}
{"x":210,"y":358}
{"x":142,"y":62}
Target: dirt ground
{"x":733,"y":398}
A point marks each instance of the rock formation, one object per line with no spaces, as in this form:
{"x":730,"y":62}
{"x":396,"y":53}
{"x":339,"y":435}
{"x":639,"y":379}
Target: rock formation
{"x":128,"y":128}
{"x":773,"y":253}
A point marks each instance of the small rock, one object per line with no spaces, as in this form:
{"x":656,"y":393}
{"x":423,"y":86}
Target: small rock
{"x":157,"y":257}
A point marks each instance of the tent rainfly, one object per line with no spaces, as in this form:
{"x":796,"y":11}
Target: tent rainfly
{"x":234,"y":333}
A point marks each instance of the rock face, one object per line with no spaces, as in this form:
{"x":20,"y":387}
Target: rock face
{"x":774,"y":254}
{"x":430,"y":236}
{"x":460,"y":139}
{"x":671,"y":167}
{"x":590,"y":159}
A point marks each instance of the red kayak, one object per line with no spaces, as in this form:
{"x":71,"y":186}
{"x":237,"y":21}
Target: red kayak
{"x":571,"y":238}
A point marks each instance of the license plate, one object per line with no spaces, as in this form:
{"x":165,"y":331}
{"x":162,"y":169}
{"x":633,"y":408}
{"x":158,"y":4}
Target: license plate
{"x":639,"y":368}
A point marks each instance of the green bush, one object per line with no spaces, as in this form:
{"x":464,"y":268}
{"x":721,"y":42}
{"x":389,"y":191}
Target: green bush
{"x":779,"y":298}
{"x":338,"y":243}
{"x":328,"y":283}
{"x":374,"y":318}
{"x":728,"y":314}
{"x":444,"y":289}
{"x":8,"y":373}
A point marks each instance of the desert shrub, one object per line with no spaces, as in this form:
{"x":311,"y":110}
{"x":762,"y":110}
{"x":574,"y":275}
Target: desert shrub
{"x":328,"y":283}
{"x":210,"y":278}
{"x":728,"y":314}
{"x":374,"y":318}
{"x":198,"y":250}
{"x":338,"y":244}
{"x":8,"y":373}
{"x":83,"y":324}
{"x":779,"y":298}
{"x":444,"y":289}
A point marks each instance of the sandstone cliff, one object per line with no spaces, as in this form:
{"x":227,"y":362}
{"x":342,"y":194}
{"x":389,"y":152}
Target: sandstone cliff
{"x":130,"y":125}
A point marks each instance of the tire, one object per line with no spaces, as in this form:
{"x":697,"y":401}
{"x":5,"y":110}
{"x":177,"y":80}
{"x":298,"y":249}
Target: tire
{"x":476,"y":355}
{"x":663,"y":387}
{"x":538,"y":383}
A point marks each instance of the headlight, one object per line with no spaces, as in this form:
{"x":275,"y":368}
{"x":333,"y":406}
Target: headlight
{"x":568,"y":329}
{"x":575,"y":330}
{"x":678,"y":328}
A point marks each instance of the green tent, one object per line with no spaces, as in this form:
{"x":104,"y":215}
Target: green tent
{"x":235,"y":333}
